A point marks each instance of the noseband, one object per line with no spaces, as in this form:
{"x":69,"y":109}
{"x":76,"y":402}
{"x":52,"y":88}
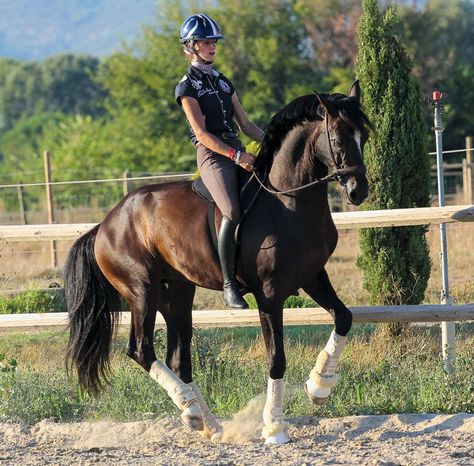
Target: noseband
{"x":337,"y":174}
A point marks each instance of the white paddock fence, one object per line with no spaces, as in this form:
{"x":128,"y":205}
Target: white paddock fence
{"x":343,"y":221}
{"x":249,"y":317}
{"x":309,"y":316}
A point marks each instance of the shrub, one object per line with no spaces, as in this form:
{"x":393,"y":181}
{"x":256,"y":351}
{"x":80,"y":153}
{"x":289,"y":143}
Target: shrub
{"x":33,"y":301}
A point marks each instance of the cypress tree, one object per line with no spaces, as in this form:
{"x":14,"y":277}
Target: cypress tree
{"x":395,"y":261}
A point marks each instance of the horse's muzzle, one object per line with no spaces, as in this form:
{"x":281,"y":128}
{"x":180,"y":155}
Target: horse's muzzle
{"x":357,"y":189}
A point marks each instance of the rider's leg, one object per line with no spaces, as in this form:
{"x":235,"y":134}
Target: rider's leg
{"x":220,"y":176}
{"x":226,"y":249}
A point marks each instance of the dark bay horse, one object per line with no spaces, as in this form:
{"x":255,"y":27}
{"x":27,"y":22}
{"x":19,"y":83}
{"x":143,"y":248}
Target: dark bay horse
{"x":154,"y":247}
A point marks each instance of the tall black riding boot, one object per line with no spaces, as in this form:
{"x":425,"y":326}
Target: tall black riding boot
{"x":226,"y":249}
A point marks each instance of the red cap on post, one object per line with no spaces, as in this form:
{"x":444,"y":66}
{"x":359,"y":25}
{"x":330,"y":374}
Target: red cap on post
{"x":437,"y":95}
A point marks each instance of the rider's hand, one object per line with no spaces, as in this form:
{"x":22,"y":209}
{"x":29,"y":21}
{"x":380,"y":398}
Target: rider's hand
{"x":246,"y":161}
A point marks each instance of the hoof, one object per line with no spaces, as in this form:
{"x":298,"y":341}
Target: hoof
{"x":214,"y":434}
{"x":192,"y":417}
{"x":278,"y":439}
{"x":317,"y":400}
{"x":216,"y":437}
{"x":276,"y":433}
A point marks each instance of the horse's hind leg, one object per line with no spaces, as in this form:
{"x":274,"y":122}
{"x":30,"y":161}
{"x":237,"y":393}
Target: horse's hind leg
{"x":323,"y":377}
{"x":144,"y":302}
{"x":176,"y":307}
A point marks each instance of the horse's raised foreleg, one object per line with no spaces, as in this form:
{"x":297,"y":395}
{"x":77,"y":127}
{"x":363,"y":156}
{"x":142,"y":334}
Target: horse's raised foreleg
{"x":323,"y":377}
{"x":176,"y":375}
{"x":271,"y":319}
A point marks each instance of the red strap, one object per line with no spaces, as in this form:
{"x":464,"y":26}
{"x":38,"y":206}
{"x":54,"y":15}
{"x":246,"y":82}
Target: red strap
{"x":231,"y":154}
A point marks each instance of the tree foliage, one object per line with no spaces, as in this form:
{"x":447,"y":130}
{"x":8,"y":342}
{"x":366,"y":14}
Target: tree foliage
{"x":62,"y":83}
{"x":440,"y":37}
{"x":119,"y":113}
{"x":395,"y":261}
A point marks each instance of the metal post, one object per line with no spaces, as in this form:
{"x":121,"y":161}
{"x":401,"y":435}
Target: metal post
{"x":468,"y":188}
{"x":448,"y":329}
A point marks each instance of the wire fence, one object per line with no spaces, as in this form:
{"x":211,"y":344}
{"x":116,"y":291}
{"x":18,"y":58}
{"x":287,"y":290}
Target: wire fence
{"x":90,"y":199}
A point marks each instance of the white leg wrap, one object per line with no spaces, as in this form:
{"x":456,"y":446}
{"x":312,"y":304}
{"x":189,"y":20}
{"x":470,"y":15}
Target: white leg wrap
{"x":323,"y":377}
{"x":212,"y":428}
{"x":182,"y":394}
{"x":276,"y":429}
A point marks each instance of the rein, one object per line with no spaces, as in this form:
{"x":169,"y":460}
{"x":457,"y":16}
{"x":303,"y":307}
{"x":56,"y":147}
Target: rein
{"x":335,"y":175}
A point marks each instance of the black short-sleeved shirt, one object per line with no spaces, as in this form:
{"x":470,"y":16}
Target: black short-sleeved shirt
{"x":214,"y":95}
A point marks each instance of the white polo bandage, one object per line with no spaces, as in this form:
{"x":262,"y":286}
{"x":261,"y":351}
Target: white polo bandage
{"x":323,"y":377}
{"x":181,"y":394}
{"x":273,"y":411}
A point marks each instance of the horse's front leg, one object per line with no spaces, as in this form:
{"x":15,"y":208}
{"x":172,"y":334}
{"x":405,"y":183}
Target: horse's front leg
{"x":323,"y":377}
{"x":271,"y":319}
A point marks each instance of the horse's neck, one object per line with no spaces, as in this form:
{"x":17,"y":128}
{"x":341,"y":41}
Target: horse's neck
{"x":295,"y":165}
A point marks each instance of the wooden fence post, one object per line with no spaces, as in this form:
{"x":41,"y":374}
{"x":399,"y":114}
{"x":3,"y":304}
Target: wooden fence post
{"x":467,"y":173}
{"x":126,"y":183}
{"x":21,"y":202}
{"x":49,"y":204}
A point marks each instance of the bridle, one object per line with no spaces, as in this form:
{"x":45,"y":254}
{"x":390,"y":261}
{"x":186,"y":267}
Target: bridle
{"x":336,"y":175}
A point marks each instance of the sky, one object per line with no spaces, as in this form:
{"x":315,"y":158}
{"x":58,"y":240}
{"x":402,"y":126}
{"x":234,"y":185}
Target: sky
{"x":34,"y":29}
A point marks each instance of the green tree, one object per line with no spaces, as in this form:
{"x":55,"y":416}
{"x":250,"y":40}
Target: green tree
{"x":262,"y":54}
{"x":63,"y":83}
{"x":22,"y":147}
{"x":70,"y":85}
{"x":266,"y":54}
{"x":141,"y":82}
{"x":21,"y":93}
{"x":395,"y":261}
{"x":440,"y":37}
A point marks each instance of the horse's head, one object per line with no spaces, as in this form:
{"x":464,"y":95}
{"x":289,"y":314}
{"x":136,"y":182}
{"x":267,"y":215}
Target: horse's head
{"x":340,"y":141}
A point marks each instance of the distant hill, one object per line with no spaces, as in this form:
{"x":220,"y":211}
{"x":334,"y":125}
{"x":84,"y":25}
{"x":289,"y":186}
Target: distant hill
{"x":34,"y":29}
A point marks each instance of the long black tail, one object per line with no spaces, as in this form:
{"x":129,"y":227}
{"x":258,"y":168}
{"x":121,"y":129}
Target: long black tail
{"x":91,"y":302}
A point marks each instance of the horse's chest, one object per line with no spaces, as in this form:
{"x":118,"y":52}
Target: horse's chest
{"x":300,"y":258}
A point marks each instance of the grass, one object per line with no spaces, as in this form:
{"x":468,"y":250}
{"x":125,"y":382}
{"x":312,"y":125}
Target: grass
{"x":378,"y":375}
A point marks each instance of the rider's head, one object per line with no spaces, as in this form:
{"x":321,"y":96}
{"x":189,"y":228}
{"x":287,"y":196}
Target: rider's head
{"x":198,"y":34}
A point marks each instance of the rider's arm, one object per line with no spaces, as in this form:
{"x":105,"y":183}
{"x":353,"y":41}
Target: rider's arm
{"x":245,"y":125}
{"x":196,"y":120}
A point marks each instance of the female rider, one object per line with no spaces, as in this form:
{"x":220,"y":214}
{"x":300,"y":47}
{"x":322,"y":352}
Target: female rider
{"x":211,"y":105}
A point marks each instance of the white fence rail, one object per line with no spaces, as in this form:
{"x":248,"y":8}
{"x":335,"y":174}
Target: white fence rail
{"x":343,"y":220}
{"x":250,"y":318}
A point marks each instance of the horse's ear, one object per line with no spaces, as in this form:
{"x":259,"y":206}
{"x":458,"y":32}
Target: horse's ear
{"x":355,"y":90}
{"x":328,"y":106}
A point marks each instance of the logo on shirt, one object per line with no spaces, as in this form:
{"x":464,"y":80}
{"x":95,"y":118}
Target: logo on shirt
{"x":224,"y":86}
{"x":196,"y":83}
{"x":206,"y":91}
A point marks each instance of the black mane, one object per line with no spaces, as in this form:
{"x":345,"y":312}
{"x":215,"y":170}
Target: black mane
{"x":305,"y":108}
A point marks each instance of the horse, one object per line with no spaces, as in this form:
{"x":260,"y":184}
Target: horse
{"x":154,"y":247}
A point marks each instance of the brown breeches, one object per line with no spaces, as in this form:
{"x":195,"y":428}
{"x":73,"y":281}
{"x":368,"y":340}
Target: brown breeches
{"x":220,"y":175}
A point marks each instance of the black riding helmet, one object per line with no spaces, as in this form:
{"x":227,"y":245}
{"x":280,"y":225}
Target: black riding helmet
{"x":199,"y":27}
